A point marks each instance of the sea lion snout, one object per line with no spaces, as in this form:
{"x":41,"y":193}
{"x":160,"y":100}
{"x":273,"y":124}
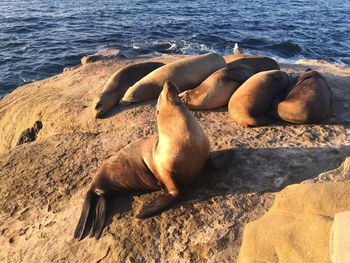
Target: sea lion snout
{"x":98,"y":108}
{"x":170,"y":93}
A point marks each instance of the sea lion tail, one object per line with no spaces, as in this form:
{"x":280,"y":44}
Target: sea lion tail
{"x":92,"y":216}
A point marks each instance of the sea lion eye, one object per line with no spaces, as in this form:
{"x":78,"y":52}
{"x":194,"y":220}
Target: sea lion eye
{"x":157,"y":111}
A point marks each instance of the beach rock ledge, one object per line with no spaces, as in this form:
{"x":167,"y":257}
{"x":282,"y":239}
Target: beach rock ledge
{"x":51,"y":146}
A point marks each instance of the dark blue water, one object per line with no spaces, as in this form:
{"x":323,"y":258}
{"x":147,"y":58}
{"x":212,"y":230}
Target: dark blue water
{"x":39,"y":38}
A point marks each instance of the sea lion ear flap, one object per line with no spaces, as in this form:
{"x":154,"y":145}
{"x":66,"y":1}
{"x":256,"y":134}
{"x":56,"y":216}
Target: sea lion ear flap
{"x":171,"y":92}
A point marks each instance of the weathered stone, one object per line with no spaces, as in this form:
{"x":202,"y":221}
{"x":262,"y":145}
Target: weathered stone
{"x":103,"y":55}
{"x":43,"y":182}
{"x":297,"y":227}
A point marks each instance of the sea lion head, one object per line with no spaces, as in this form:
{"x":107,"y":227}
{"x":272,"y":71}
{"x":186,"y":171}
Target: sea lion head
{"x":307,"y":74}
{"x":103,"y":104}
{"x":169,"y":97}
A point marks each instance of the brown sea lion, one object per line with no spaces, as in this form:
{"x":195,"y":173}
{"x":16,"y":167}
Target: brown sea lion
{"x":236,"y":56}
{"x":252,"y":101}
{"x":118,"y":84}
{"x":186,"y":73}
{"x":218,"y":88}
{"x":309,"y":100}
{"x":257,"y":62}
{"x":170,"y":160}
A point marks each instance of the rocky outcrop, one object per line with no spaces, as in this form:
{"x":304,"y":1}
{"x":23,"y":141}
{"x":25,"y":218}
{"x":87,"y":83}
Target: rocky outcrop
{"x":43,"y":181}
{"x":297,"y":227}
{"x":103,"y":55}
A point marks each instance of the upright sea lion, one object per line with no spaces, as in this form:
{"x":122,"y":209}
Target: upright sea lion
{"x":118,"y":84}
{"x":186,"y":73}
{"x":172,"y":159}
{"x":309,"y":100}
{"x":218,"y":88}
{"x":252,"y":101}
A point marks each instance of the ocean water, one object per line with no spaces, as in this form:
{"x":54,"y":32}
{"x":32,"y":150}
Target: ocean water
{"x":39,"y":38}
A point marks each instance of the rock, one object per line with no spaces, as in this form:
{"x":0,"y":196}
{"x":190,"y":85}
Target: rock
{"x":30,"y":134}
{"x":103,"y":55}
{"x":69,"y":68}
{"x":297,"y":227}
{"x":44,"y":181}
{"x":340,"y":238}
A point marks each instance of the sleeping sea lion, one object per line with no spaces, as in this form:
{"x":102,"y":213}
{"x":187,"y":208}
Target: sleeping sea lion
{"x":309,"y":100}
{"x":259,"y":63}
{"x":218,"y":88}
{"x":118,"y":84}
{"x":170,"y":160}
{"x":252,"y":101}
{"x":186,"y":73}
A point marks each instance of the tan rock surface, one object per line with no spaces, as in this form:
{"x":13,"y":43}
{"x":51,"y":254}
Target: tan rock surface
{"x":297,"y":227}
{"x":43,"y":182}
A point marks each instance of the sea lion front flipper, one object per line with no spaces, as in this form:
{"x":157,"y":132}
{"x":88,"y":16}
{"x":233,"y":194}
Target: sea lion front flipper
{"x":163,"y":201}
{"x":157,"y":205}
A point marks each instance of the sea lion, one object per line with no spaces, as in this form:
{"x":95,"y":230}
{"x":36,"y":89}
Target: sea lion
{"x":186,"y":73}
{"x":235,"y":56}
{"x":252,"y":101}
{"x":218,"y":88}
{"x":172,"y":159}
{"x":259,"y":63}
{"x":309,"y":100}
{"x":118,"y":83}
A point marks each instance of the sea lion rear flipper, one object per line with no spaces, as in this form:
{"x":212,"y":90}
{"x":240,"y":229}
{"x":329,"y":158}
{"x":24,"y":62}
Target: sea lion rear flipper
{"x":93,"y":216}
{"x":157,"y":205}
{"x":87,"y":215}
{"x":99,"y":218}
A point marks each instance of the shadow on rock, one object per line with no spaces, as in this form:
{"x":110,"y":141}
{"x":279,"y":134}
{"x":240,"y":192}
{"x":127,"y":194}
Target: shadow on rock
{"x":248,"y":170}
{"x":265,"y":170}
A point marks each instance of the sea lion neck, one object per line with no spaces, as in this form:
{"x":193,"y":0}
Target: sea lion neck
{"x":173,"y":117}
